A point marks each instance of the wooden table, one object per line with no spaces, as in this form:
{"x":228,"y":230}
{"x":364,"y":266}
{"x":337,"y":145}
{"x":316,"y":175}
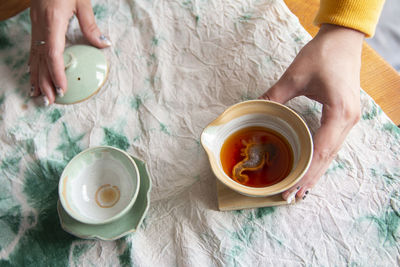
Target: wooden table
{"x":378,"y":78}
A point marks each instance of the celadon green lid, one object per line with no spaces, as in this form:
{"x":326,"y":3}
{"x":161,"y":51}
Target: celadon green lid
{"x":86,"y":69}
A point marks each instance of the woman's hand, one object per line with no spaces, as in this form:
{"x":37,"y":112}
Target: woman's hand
{"x":49,"y":24}
{"x":327,"y":70}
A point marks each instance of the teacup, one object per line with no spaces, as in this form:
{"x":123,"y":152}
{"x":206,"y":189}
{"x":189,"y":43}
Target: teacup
{"x":267,"y":114}
{"x":99,"y":185}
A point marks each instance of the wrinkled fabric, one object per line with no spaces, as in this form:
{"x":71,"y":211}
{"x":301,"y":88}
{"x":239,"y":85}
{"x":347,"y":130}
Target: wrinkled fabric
{"x":174,"y":67}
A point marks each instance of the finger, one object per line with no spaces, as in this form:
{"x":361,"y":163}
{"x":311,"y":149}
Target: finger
{"x":327,"y":142}
{"x":290,"y":194}
{"x":34,"y":64}
{"x":285,"y":89}
{"x":34,"y":73}
{"x":45,"y":83}
{"x":55,"y":42}
{"x":89,"y":27}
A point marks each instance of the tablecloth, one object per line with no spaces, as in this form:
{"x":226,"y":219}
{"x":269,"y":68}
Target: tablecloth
{"x":175,"y":65}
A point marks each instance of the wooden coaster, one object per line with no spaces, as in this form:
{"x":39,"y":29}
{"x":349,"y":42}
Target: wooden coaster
{"x":231,"y":200}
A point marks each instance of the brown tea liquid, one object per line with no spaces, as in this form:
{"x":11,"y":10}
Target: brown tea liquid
{"x":278,"y":157}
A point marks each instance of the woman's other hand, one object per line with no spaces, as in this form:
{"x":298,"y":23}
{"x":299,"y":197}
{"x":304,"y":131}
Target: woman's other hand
{"x":50,"y":20}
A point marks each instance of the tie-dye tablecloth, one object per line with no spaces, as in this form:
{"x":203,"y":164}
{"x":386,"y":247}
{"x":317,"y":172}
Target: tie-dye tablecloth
{"x":176,"y":65}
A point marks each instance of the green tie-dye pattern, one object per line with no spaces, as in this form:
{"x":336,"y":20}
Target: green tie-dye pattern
{"x":54,"y":115}
{"x":153,"y":59}
{"x":10,"y":165}
{"x":187,"y":3}
{"x":125,"y":252}
{"x":100,"y":11}
{"x":80,"y":249}
{"x":155,"y":41}
{"x":164,"y":128}
{"x":5,"y":41}
{"x":136,"y":102}
{"x":19,"y":61}
{"x":24,"y":79}
{"x":246,"y":17}
{"x":314,"y":109}
{"x":13,"y":219}
{"x":29,"y":146}
{"x":393,"y":129}
{"x":387,"y":224}
{"x":371,"y":114}
{"x":2,"y":98}
{"x":297,"y":38}
{"x":69,"y":146}
{"x":24,"y":20}
{"x":388,"y":177}
{"x":262,"y":212}
{"x":337,"y":165}
{"x":152,"y":80}
{"x":45,"y":244}
{"x":10,"y":221}
{"x":243,"y":238}
{"x":244,"y":235}
{"x":113,"y":138}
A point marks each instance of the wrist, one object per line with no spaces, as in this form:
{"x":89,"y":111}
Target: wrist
{"x":339,"y":36}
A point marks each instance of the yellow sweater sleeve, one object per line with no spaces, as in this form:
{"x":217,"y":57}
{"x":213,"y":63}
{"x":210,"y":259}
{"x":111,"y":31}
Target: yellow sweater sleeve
{"x":361,"y":15}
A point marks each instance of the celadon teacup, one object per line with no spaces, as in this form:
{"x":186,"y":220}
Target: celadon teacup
{"x":99,"y":185}
{"x":265,"y":114}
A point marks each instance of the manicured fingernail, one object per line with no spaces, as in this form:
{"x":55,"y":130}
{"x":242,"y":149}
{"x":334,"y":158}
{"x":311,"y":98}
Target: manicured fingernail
{"x":292,"y":195}
{"x":105,"y":40}
{"x":46,"y":101}
{"x":290,"y":198}
{"x":59,"y":91}
{"x":32,"y":90}
{"x":306,"y":192}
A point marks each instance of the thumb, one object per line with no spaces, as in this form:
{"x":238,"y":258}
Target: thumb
{"x":282,"y":91}
{"x":84,"y":13}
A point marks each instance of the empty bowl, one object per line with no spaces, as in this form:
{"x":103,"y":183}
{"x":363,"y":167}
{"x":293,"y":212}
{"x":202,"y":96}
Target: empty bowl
{"x":99,"y":185}
{"x":265,"y":114}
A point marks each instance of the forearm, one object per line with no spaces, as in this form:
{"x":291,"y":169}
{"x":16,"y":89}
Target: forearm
{"x":361,"y":15}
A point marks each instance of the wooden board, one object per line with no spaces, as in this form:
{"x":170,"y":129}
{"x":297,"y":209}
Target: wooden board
{"x":378,"y":78}
{"x":230,"y":200}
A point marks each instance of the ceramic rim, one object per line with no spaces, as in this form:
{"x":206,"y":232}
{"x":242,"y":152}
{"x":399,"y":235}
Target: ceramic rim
{"x":249,"y":107}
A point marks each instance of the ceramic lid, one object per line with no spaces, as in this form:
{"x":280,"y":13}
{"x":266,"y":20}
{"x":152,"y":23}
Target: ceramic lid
{"x":86,"y":69}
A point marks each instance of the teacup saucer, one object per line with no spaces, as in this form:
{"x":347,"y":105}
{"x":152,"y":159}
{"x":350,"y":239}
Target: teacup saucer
{"x":125,"y":225}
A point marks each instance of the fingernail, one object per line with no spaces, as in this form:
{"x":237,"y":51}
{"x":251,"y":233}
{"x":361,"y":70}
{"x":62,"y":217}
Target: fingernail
{"x":46,"y":101}
{"x":292,"y":195}
{"x":105,"y":40}
{"x":32,"y":90}
{"x":59,"y":91}
{"x":290,"y":198}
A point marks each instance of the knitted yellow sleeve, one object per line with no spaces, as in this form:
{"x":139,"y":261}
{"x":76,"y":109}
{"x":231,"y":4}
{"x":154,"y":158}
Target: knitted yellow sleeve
{"x":361,"y":15}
